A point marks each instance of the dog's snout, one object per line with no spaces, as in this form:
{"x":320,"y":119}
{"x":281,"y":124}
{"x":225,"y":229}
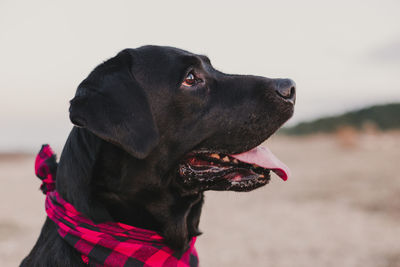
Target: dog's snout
{"x":286,"y":88}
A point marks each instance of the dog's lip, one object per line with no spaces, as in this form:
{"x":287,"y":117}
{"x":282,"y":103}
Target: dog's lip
{"x":263,"y":157}
{"x":260,"y":156}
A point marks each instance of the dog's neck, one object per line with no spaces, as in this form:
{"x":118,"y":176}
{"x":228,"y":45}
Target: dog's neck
{"x":107,"y":184}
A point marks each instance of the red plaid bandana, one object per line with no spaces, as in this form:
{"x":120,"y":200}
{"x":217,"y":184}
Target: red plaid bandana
{"x":105,"y":244}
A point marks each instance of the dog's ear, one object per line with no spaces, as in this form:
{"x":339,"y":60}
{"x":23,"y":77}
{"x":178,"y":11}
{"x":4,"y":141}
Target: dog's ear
{"x":111,"y":104}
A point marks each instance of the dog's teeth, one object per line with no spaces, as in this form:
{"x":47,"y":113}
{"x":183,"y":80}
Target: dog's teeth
{"x":225,"y":159}
{"x":235,"y":161}
{"x":215,"y":156}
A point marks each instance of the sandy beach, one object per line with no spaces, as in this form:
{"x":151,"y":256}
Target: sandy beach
{"x":341,"y":207}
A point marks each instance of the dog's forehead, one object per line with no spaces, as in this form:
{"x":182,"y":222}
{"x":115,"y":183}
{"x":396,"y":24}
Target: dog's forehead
{"x":163,"y":51}
{"x":163,"y":66}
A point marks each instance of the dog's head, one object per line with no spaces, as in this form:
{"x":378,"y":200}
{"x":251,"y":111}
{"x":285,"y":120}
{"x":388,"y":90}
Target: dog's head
{"x":171,"y":109}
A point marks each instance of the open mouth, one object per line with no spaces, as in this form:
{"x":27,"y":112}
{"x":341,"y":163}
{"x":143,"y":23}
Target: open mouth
{"x":210,"y":170}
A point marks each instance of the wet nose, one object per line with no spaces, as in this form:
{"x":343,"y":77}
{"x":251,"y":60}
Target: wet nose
{"x":286,"y":88}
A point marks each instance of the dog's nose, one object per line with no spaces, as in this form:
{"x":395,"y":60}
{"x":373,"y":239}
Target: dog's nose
{"x":286,"y":88}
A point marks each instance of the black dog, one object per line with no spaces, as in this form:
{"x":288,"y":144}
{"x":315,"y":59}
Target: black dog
{"x":156,"y":127}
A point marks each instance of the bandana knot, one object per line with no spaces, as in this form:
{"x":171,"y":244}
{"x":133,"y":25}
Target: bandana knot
{"x":105,"y":244}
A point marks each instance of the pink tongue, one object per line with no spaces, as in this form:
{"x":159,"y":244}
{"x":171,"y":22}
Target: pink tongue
{"x":263,"y":157}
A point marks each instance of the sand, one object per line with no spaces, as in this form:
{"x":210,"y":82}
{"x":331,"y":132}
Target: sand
{"x":341,"y":207}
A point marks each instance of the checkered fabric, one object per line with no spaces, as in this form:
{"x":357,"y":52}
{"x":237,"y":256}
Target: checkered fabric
{"x":105,"y":244}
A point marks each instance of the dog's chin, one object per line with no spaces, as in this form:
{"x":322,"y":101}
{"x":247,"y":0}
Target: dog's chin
{"x":210,"y":170}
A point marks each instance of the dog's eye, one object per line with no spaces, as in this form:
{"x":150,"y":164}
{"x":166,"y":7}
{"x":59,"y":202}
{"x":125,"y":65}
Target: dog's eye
{"x":190,"y":80}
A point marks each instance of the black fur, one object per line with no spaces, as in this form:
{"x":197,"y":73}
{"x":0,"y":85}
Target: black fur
{"x":135,"y":122}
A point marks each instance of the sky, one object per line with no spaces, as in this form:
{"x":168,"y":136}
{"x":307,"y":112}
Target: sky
{"x":342,"y":54}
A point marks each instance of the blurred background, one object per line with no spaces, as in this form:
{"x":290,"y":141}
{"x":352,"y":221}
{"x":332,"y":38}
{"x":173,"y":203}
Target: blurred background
{"x":341,"y":206}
